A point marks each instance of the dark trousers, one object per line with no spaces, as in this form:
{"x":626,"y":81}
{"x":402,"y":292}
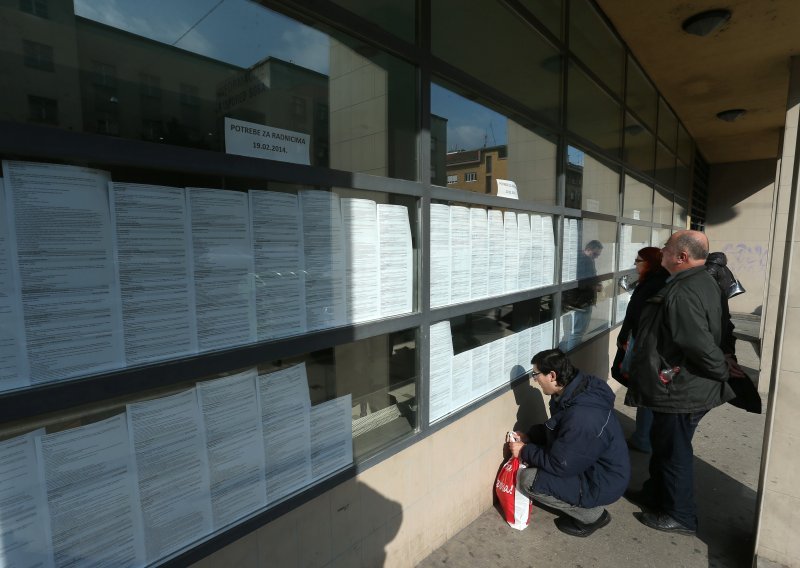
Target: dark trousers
{"x":671,"y":483}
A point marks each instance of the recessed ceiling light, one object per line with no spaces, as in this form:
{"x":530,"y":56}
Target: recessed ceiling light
{"x":731,"y":114}
{"x":704,"y":23}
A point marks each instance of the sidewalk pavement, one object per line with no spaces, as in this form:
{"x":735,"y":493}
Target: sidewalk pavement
{"x":727,"y":447}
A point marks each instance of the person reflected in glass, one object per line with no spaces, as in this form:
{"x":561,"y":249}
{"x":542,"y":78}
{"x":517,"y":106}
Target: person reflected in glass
{"x":582,"y":299}
{"x":652,"y":277}
{"x":577,"y":460}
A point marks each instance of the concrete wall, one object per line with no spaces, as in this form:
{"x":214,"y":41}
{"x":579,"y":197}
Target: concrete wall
{"x":399,"y":511}
{"x":740,"y":200}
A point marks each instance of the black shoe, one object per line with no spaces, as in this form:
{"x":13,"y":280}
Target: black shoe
{"x":574,"y":527}
{"x":663,"y":522}
{"x":641,"y":499}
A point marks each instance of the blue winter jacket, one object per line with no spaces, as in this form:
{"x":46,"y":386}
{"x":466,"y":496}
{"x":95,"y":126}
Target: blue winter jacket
{"x":584,"y":460}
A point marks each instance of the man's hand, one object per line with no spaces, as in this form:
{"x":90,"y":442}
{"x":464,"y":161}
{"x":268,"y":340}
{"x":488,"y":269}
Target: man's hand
{"x":515,"y":448}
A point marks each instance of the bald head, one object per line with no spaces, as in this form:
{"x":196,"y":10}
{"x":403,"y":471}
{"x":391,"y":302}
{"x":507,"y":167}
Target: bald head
{"x":684,"y":250}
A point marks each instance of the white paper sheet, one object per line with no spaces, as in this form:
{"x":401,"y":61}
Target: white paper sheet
{"x":479,"y":247}
{"x":151,"y":242}
{"x":235,"y":446}
{"x":536,"y":340}
{"x":537,"y":253}
{"x":440,"y":255}
{"x":511,"y":263}
{"x":278,"y":261}
{"x":61,"y":231}
{"x":546,"y":335}
{"x":24,"y":523}
{"x":396,"y":260}
{"x":549,"y":252}
{"x":460,"y":262}
{"x":222,"y":255}
{"x":285,"y":419}
{"x":480,"y":371}
{"x":360,"y":223}
{"x":91,"y":495}
{"x":169,"y":448}
{"x":331,"y":436}
{"x":525,"y":251}
{"x":461,"y":389}
{"x":573,"y":249}
{"x":497,"y":249}
{"x":511,"y":356}
{"x":524,"y":354}
{"x":13,"y":362}
{"x":324,"y":257}
{"x":441,"y":359}
{"x":497,"y":374}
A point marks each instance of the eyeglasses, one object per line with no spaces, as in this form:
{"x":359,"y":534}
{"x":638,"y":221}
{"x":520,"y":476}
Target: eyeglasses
{"x":533,"y":375}
{"x":638,"y":260}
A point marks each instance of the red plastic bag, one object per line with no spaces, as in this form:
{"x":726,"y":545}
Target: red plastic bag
{"x":516,"y":506}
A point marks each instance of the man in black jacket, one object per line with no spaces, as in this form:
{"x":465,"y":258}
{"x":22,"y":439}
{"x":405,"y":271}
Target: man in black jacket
{"x":679,"y":371}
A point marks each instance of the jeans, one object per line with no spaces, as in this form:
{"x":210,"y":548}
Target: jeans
{"x":671,"y":483}
{"x":641,"y":436}
{"x":525,"y":479}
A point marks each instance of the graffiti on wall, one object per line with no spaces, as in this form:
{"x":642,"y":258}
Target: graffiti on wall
{"x":746,"y":258}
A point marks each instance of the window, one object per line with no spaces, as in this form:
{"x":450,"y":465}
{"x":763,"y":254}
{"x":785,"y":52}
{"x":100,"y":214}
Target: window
{"x":591,"y":185}
{"x":149,"y":86}
{"x":41,"y":109}
{"x":189,"y":95}
{"x":452,"y":178}
{"x":108,"y":125}
{"x":299,"y":107}
{"x":35,"y":7}
{"x":488,"y":164}
{"x":38,"y":55}
{"x":488,"y":188}
{"x":471,"y":176}
{"x":104,"y":75}
{"x":152,"y":130}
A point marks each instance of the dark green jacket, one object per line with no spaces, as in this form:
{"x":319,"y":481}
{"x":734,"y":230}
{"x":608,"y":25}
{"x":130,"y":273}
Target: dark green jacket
{"x":681,"y":327}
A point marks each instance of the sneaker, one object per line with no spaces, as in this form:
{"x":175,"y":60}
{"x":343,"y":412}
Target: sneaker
{"x":574,"y":527}
{"x":663,"y":522}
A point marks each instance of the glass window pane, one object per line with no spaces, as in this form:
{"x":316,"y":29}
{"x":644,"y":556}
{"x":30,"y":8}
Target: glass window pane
{"x":546,"y":11}
{"x":591,"y":113}
{"x":681,"y":213}
{"x":638,"y":203}
{"x":662,"y":207}
{"x":245,"y":80}
{"x":593,"y":42}
{"x":682,"y":179}
{"x":588,"y":249}
{"x":665,"y":166}
{"x":667,"y":125}
{"x":490,"y":349}
{"x":395,"y":16}
{"x":660,"y":237}
{"x":641,"y":96}
{"x":591,"y":185}
{"x":582,"y":319}
{"x":470,"y":137}
{"x":640,"y":146}
{"x":496,"y":62}
{"x":632,"y":239}
{"x":684,"y":145}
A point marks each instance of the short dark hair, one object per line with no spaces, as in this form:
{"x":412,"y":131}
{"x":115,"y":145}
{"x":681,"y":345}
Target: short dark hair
{"x":551,"y":360}
{"x":594,"y":244}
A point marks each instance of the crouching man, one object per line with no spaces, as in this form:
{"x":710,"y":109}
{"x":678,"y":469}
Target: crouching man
{"x":578,"y":461}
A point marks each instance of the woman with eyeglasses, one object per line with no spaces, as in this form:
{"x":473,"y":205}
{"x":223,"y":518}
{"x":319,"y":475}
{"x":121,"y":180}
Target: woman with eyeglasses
{"x":652,"y":277}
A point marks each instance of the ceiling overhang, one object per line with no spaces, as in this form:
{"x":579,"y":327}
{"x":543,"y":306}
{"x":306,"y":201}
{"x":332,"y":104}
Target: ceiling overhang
{"x":742,"y":64}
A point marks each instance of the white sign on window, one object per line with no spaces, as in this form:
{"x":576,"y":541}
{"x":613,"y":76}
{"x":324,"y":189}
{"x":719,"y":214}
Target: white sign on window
{"x":260,"y":141}
{"x":506,"y":188}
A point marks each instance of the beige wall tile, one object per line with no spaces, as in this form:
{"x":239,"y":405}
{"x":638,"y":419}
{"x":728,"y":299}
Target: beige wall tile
{"x":345,"y":513}
{"x":350,"y":558}
{"x":790,"y":355}
{"x":782,"y":475}
{"x":376,"y":508}
{"x":314,"y":532}
{"x":779,"y":523}
{"x":373,"y":552}
{"x":279,"y":542}
{"x":415,"y":468}
{"x":786,"y":417}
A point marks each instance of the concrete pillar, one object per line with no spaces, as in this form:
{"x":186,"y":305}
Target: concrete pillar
{"x":779,"y":484}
